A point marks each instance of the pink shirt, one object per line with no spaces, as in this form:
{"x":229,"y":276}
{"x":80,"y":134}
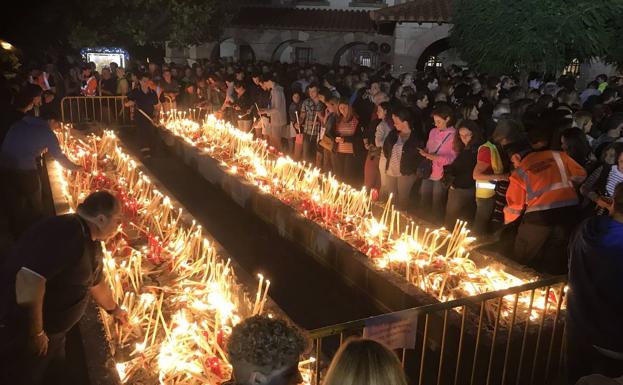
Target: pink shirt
{"x":446,"y":153}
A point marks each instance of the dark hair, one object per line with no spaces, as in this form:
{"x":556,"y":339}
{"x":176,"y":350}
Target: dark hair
{"x":444,"y":111}
{"x":468,"y":105}
{"x":474,"y":128}
{"x":577,"y":145}
{"x":144,"y":75}
{"x":510,"y":129}
{"x":267,"y":78}
{"x":420,"y":95}
{"x":263,"y":341}
{"x":387,"y":107}
{"x":99,"y":202}
{"x":312,"y":85}
{"x":613,"y":122}
{"x":240,"y":84}
{"x":519,"y":108}
{"x":404,"y":115}
{"x":521,"y":148}
{"x":324,"y":92}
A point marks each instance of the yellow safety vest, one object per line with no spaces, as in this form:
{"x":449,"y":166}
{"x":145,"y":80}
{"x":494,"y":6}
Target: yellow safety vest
{"x":486,"y":189}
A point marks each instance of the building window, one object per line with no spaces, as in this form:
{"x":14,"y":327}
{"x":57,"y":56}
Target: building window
{"x":364,"y":58}
{"x":433,"y":62}
{"x":573,"y":68}
{"x":303,"y":55}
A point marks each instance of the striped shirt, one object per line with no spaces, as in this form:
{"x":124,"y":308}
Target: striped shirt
{"x":395,"y":158}
{"x":614,"y":178}
{"x":346,"y":129}
{"x":311,"y":124}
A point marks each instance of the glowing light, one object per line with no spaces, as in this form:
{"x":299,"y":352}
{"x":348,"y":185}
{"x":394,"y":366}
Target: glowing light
{"x":6,"y":45}
{"x":182,"y":299}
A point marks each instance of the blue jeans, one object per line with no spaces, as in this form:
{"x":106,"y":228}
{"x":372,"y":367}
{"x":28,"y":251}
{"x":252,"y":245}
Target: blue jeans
{"x":433,"y":200}
{"x":401,"y":187}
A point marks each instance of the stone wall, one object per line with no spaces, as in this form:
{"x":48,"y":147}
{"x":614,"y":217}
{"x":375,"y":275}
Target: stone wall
{"x":411,"y":39}
{"x":280,"y":45}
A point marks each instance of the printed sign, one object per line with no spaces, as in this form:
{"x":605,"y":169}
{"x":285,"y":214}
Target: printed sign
{"x":394,"y":330}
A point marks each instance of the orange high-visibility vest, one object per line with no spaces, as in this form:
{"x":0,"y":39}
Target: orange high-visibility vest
{"x":543,"y":181}
{"x":90,"y":87}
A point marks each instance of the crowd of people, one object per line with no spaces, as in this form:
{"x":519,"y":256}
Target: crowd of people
{"x":534,"y":159}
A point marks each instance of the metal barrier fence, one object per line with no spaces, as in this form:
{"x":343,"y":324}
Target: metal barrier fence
{"x":512,"y":336}
{"x":95,"y":109}
{"x":110,"y":110}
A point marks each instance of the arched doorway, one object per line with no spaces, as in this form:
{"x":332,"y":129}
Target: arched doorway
{"x":285,"y":52}
{"x":430,"y":57}
{"x":233,"y":49}
{"x":355,"y":53}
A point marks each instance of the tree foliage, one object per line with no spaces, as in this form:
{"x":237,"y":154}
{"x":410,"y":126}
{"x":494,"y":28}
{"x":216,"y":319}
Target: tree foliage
{"x":149,"y":22}
{"x":534,"y":35}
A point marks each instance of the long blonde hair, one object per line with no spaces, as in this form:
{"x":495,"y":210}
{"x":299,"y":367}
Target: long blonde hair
{"x":365,"y":362}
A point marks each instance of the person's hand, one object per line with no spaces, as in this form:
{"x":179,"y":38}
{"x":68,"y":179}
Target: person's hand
{"x":502,"y":177}
{"x":605,"y":203}
{"x":424,"y":153}
{"x":120,"y":315}
{"x":39,"y":344}
{"x":129,"y":103}
{"x":339,"y":140}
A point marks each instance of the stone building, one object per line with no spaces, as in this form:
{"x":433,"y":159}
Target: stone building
{"x":407,"y":35}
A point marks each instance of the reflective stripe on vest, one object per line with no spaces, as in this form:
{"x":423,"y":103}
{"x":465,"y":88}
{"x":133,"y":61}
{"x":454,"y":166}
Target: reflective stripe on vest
{"x":564,"y":183}
{"x":555,"y":205}
{"x":485,"y":185}
{"x":486,"y":189}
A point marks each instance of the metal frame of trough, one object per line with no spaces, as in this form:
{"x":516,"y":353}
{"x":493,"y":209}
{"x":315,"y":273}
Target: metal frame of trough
{"x":100,"y":363}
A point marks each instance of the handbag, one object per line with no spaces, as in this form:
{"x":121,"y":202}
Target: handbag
{"x":425,"y":167}
{"x":327,"y":143}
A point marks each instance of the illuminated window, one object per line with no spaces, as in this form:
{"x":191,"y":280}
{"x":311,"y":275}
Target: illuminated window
{"x":573,"y":68}
{"x":433,"y":62}
{"x":365,"y":59}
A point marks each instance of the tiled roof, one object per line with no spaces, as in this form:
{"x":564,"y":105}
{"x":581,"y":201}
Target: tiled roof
{"x":304,"y":19}
{"x":421,"y":11}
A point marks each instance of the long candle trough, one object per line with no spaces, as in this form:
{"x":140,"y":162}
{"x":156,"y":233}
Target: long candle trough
{"x":398,"y":260}
{"x":182,"y":295}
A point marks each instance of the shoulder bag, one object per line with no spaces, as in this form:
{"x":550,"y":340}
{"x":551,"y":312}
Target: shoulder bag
{"x":425,"y":167}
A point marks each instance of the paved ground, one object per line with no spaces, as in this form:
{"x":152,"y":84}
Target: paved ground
{"x":310,"y":294}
